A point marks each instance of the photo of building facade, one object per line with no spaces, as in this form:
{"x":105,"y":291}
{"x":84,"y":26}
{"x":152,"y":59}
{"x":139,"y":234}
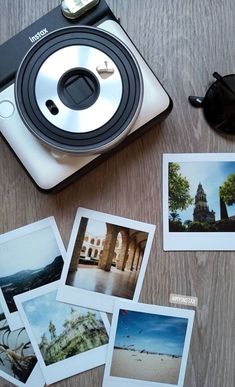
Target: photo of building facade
{"x":106,"y":248}
{"x":92,"y":248}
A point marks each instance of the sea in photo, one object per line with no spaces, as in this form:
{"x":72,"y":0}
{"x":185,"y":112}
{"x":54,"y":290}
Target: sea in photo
{"x":106,"y":258}
{"x":28,"y":262}
{"x":148,"y":347}
{"x":17,"y":358}
{"x":201,"y":196}
{"x":63,"y":330}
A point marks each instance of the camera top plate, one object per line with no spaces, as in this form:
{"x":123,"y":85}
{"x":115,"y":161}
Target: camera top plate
{"x":13,"y":51}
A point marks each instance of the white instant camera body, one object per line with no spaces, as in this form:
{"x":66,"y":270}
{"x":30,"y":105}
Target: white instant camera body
{"x":73,"y":88}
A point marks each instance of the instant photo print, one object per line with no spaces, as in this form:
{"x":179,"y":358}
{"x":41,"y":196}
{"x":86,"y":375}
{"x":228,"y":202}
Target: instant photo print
{"x":18,"y":362}
{"x":30,"y":257}
{"x":67,"y":339}
{"x":148,"y":346}
{"x":106,"y":259}
{"x":199,"y":201}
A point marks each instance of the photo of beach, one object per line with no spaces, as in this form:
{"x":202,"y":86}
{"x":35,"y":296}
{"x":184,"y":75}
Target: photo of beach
{"x":148,"y":346}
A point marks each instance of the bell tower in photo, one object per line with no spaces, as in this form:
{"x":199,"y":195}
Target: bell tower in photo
{"x":201,"y":211}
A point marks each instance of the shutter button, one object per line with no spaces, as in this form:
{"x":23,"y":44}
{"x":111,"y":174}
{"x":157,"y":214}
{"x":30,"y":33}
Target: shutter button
{"x":6,"y":109}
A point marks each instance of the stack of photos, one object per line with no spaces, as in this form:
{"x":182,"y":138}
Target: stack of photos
{"x":53,"y":323}
{"x":18,"y":362}
{"x":199,"y":201}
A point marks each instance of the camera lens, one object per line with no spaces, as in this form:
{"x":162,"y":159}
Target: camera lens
{"x":78,"y":89}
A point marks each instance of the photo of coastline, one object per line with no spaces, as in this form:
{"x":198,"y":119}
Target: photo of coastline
{"x":201,"y":196}
{"x":28,"y":261}
{"x":17,"y":358}
{"x":148,"y":346}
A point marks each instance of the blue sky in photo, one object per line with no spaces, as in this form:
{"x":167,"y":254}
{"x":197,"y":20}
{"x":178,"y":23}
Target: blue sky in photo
{"x":28,"y":252}
{"x":43,"y":309}
{"x":151,"y":332}
{"x":211,"y":175}
{"x":96,"y":228}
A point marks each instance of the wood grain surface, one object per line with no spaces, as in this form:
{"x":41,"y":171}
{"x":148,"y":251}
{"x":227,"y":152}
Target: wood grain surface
{"x":184,"y":42}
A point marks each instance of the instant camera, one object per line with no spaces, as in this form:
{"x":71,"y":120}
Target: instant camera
{"x":73,"y":90}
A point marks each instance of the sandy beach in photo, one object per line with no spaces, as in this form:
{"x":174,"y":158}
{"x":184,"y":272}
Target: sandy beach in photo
{"x":145,"y":366}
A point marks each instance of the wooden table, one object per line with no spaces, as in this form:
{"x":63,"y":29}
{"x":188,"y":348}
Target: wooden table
{"x":184,"y":42}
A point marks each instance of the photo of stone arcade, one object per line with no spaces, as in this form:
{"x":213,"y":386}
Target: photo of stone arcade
{"x":106,"y":258}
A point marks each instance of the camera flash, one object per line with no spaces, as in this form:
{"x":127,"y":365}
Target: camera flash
{"x":72,"y":9}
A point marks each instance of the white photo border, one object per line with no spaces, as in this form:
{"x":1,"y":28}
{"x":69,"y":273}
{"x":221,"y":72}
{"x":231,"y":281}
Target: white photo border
{"x":94,"y":300}
{"x":35,"y":379}
{"x":113,"y":381}
{"x":68,"y":367}
{"x":193,"y":241}
{"x":13,"y":318}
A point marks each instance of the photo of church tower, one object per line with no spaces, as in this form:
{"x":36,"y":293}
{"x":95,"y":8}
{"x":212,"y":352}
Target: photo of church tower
{"x":201,"y":212}
{"x":201,"y":196}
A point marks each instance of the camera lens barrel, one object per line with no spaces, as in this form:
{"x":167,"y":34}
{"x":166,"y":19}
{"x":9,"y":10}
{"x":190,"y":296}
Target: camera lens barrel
{"x":79,"y":90}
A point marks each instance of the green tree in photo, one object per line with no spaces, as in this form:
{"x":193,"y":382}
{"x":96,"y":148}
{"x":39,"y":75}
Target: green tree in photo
{"x":188,"y":222}
{"x":44,"y":341}
{"x":174,"y":217}
{"x":52,"y":330}
{"x":67,"y":324}
{"x":227,"y":190}
{"x":179,"y":197}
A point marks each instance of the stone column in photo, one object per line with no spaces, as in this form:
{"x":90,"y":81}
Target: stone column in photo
{"x":140,"y":259}
{"x":78,"y":245}
{"x":121,"y":264}
{"x":131,"y":263}
{"x":105,"y":261}
{"x":136,"y":258}
{"x":131,"y":253}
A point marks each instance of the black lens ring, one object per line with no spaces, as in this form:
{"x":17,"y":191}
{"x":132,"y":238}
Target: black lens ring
{"x":28,"y":91}
{"x":26,"y":97}
{"x":127,"y":98}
